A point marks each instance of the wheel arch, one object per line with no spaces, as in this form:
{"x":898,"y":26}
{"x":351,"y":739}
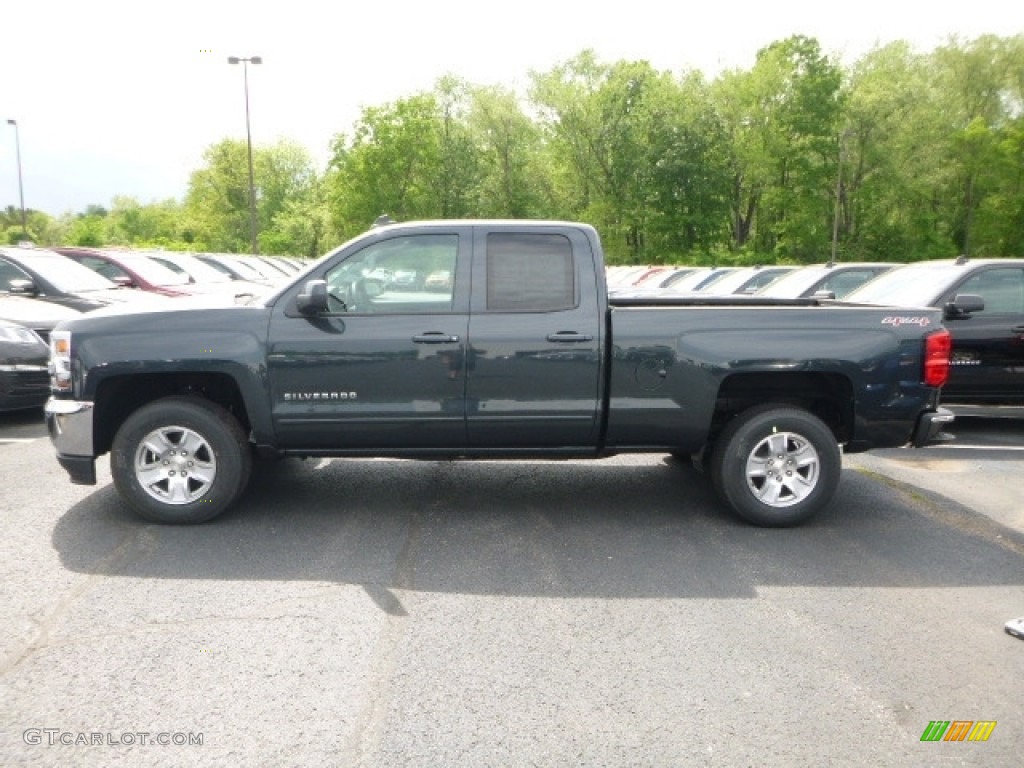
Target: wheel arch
{"x":829,"y":396}
{"x":117,"y":397}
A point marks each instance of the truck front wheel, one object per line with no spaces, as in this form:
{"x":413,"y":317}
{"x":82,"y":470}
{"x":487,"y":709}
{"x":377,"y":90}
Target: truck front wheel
{"x":775,"y":465}
{"x":180,"y":460}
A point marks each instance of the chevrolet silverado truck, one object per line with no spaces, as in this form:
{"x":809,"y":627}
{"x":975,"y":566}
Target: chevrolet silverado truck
{"x":489,"y":339}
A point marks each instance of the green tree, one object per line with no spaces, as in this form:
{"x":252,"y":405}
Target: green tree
{"x":797,"y":91}
{"x":980,"y":86}
{"x":689,"y":158}
{"x":156,"y":224}
{"x":216,"y":210}
{"x":630,"y":148}
{"x":89,"y":230}
{"x":302,"y":226}
{"x":507,"y":143}
{"x":391,"y":164}
{"x":890,"y":168}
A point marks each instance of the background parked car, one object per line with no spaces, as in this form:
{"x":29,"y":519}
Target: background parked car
{"x":38,"y":315}
{"x":244,"y":268}
{"x":24,"y":380}
{"x":129,"y":270}
{"x":203,"y":277}
{"x":833,"y":281}
{"x":984,"y":311}
{"x":620,"y":276}
{"x":679,"y":285}
{"x":655,"y":282}
{"x":744,"y":280}
{"x":133,"y":269}
{"x":47,"y":275}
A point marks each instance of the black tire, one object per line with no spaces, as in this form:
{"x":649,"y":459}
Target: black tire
{"x":776,"y":465}
{"x":197,"y":442}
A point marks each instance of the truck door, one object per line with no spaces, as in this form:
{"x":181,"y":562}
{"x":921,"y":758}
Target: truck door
{"x":534,"y":359}
{"x":987,"y":363}
{"x":384,"y":368}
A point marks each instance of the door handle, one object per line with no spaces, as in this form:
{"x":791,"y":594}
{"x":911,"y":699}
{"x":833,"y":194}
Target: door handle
{"x":570,"y":336}
{"x":434,"y":337}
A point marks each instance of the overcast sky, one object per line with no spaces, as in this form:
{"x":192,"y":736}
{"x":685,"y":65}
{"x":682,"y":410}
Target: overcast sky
{"x":115,"y":97}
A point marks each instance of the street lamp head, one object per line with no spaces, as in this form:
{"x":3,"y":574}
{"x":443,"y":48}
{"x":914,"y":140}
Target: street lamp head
{"x":256,"y":60}
{"x":12,"y":122}
{"x":250,"y":59}
{"x":233,"y":59}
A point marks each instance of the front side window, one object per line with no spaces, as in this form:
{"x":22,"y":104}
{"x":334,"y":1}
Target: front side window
{"x":529,"y":273}
{"x":1002,"y":290}
{"x":401,"y":275}
{"x":105,"y":268}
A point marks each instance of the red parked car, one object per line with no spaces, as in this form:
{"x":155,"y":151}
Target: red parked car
{"x":139,"y":270}
{"x":131,"y":270}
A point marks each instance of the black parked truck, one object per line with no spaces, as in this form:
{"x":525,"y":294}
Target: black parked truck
{"x":503,"y":344}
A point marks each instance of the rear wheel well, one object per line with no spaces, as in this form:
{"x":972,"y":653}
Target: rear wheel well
{"x":120,"y":396}
{"x":828,"y":396}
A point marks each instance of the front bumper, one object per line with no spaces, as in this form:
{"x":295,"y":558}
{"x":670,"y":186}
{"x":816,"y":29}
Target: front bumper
{"x":930,"y":425}
{"x":69,"y":423}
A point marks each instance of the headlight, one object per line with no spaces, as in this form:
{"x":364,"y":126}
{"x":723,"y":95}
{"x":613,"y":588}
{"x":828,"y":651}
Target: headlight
{"x":60,"y":361}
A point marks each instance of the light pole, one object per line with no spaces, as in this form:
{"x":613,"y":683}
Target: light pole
{"x":21,"y":189}
{"x":246,"y":61}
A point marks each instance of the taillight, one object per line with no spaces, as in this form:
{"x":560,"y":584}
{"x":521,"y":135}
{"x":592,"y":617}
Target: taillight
{"x":937,"y":348}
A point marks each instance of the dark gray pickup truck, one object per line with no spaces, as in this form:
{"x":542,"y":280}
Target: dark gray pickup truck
{"x":489,"y":339}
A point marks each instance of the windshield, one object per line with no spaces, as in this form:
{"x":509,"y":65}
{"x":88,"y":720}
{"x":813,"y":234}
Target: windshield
{"x":914,"y":285}
{"x":793,"y":284}
{"x":192,"y":267}
{"x":746,"y":279}
{"x":239,"y":267}
{"x":152,"y":271}
{"x":65,"y":275}
{"x":694,"y":280}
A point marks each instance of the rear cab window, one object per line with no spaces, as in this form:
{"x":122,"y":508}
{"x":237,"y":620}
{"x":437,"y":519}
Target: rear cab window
{"x":530,"y":272}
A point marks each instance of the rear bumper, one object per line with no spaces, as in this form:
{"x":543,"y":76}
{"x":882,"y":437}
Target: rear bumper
{"x":69,"y":423}
{"x":930,"y":427}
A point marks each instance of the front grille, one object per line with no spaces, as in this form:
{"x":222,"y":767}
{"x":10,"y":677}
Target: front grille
{"x":23,"y":389}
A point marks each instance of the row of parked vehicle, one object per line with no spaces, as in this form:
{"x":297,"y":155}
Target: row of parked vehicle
{"x":40,"y":287}
{"x":831,"y":281}
{"x":982,"y":300}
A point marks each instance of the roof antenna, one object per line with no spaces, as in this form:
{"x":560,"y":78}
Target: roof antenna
{"x":961,"y":259}
{"x":383,"y":220}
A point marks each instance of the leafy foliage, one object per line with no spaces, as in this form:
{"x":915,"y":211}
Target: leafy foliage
{"x":902,"y":156}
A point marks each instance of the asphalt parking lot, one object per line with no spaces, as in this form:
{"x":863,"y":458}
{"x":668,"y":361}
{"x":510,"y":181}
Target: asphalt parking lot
{"x":382,"y":613}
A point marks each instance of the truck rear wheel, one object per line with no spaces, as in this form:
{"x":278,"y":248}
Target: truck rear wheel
{"x":776,"y":465}
{"x":180,"y":460}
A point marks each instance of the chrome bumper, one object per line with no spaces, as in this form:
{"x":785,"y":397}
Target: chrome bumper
{"x":930,"y":425}
{"x":69,"y":423}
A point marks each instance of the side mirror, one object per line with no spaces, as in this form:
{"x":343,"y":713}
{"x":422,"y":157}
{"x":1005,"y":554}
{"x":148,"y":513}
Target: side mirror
{"x":313,"y":298}
{"x":24,"y":286}
{"x":964,"y":304}
{"x":823,"y":294}
{"x":123,"y":281}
